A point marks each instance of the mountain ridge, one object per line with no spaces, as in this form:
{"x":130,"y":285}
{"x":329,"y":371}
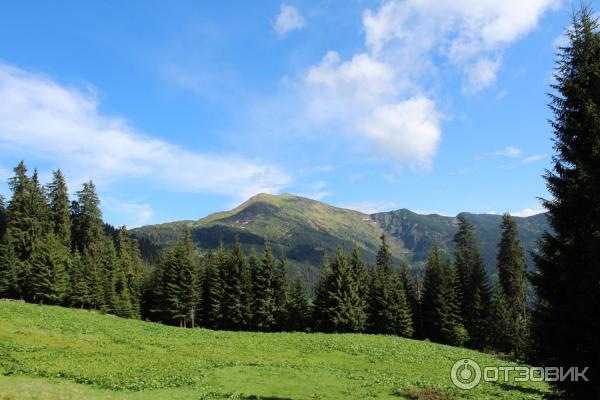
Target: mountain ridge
{"x":304,"y":230}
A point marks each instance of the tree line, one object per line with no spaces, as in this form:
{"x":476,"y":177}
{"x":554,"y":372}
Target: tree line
{"x":57,"y":251}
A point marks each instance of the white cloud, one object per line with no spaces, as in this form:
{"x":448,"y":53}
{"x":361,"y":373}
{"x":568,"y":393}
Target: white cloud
{"x":409,"y":130}
{"x":41,"y":118}
{"x":371,"y":206}
{"x":528,"y":160}
{"x":480,"y":75}
{"x":289,"y":19}
{"x":387,"y":95}
{"x":528,"y":212}
{"x":468,"y":33}
{"x":134,"y":213}
{"x":508,"y":151}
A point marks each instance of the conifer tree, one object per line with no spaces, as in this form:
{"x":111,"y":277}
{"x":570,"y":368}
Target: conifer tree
{"x":501,"y":338}
{"x":78,"y":294}
{"x":413,"y":300}
{"x":212,"y":289}
{"x":566,"y":326}
{"x":49,"y":277}
{"x":323,"y":303}
{"x":58,"y":198}
{"x":299,"y":310}
{"x":264,"y":306}
{"x":3,"y":218}
{"x":478,"y":313}
{"x":233,"y":288}
{"x":361,"y":276}
{"x":512,"y":270}
{"x":473,"y":291}
{"x":402,"y":323}
{"x":346,"y":311}
{"x":381,"y":293}
{"x":441,"y":301}
{"x":280,"y":292}
{"x":129,"y":275}
{"x":86,"y":217}
{"x":180,"y":283}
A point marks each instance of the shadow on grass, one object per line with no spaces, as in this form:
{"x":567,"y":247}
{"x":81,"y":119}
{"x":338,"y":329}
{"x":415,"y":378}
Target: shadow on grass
{"x":422,"y":394}
{"x":524,"y":390}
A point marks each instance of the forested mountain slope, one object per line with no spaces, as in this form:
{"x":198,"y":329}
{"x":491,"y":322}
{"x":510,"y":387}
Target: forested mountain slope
{"x":306,"y":229}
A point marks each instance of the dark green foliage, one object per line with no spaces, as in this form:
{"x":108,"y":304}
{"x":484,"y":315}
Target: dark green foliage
{"x":346,"y":309}
{"x":413,"y":298}
{"x":388,"y":309}
{"x":566,"y":325}
{"x":212,"y":289}
{"x":512,"y":271}
{"x":473,"y":291}
{"x":299,"y":308}
{"x":264,"y":305}
{"x":53,"y":253}
{"x":500,"y":323}
{"x":323,"y":301}
{"x":58,"y":197}
{"x":49,"y":265}
{"x":180,"y":287}
{"x":441,"y":306}
{"x":87,"y":226}
{"x":280,"y":293}
{"x":360,"y":273}
{"x":232,"y":301}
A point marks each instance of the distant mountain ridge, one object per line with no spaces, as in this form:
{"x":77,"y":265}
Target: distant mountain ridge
{"x":305,"y":230}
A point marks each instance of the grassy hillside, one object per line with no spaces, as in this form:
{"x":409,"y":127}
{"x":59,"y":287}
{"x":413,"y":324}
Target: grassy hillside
{"x":58,"y":353}
{"x":305,"y":229}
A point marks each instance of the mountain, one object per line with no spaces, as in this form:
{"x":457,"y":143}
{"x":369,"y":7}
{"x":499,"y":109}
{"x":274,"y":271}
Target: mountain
{"x":306,"y":229}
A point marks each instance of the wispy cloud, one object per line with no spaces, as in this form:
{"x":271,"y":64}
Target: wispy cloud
{"x":508,"y":151}
{"x":289,"y":19}
{"x":527,"y":160}
{"x":40,"y":118}
{"x":371,"y":206}
{"x":135,"y":214}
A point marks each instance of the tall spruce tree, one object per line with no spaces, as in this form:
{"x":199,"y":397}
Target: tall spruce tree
{"x":280,"y":292}
{"x":512,"y":270}
{"x":441,"y":307}
{"x":232,"y":305}
{"x":58,"y":197}
{"x":212,"y":290}
{"x":264,"y":306}
{"x":500,"y":324}
{"x":180,"y":292}
{"x":412,"y":297}
{"x":381,"y":308}
{"x":474,"y":289}
{"x":323,"y":301}
{"x":346,"y":311}
{"x":566,"y":326}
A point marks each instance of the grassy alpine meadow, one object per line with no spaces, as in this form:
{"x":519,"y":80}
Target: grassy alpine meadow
{"x":49,"y":352}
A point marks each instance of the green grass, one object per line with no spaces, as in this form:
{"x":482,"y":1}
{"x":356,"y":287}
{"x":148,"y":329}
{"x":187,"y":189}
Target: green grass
{"x":57,"y":353}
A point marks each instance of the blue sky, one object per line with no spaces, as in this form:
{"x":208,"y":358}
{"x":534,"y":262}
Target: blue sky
{"x":180,"y":110}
